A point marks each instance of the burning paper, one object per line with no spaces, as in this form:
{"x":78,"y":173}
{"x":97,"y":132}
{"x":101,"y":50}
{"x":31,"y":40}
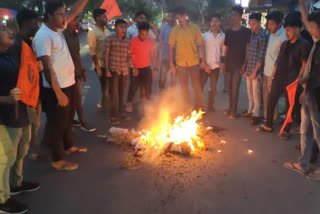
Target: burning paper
{"x":250,"y":152}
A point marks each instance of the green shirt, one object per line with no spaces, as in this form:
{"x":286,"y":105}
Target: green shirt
{"x":186,"y":47}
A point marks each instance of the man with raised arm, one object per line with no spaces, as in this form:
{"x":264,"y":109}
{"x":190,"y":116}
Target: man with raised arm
{"x":59,"y":80}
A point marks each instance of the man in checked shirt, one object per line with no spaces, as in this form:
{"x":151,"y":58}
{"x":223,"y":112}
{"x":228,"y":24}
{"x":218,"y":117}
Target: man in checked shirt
{"x":254,"y":66}
{"x":117,"y":61}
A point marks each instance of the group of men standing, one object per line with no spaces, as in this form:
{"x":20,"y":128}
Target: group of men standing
{"x":269,"y":64}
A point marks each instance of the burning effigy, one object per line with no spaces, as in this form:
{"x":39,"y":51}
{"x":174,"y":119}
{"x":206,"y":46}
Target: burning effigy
{"x":183,"y":135}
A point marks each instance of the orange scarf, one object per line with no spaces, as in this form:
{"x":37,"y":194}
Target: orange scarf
{"x":28,"y":80}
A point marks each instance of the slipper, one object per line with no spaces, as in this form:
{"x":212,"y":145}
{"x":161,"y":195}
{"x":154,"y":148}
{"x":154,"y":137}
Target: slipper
{"x":315,"y":175}
{"x":285,"y":136}
{"x":64,"y":165}
{"x":76,"y":149}
{"x":293,"y":167}
{"x":246,"y":114}
{"x":115,"y":122}
{"x":264,"y":128}
{"x":126,"y":118}
{"x":39,"y":157}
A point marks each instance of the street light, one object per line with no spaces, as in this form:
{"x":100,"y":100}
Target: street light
{"x":243,"y":3}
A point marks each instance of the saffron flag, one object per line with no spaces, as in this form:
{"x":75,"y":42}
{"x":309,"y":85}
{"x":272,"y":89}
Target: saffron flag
{"x":112,"y":8}
{"x":28,"y":79}
{"x":291,"y":90}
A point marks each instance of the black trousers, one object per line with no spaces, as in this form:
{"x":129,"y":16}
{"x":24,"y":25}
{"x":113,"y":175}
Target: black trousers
{"x":277,"y":89}
{"x":58,"y":130}
{"x":118,"y":91}
{"x":144,"y":81}
{"x":213,"y":76}
{"x":233,"y":84}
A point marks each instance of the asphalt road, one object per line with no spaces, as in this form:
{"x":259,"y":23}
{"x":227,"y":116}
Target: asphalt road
{"x":231,"y":182}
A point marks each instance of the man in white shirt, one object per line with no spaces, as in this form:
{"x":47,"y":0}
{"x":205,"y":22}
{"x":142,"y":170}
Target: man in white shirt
{"x":277,"y":37}
{"x":213,"y":40}
{"x":58,"y":80}
{"x":141,"y":17}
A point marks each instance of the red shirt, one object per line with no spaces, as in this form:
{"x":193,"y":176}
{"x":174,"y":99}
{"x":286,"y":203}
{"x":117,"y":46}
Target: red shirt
{"x":141,"y":51}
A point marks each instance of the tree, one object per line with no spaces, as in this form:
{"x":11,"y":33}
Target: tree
{"x":15,"y":5}
{"x":130,"y":7}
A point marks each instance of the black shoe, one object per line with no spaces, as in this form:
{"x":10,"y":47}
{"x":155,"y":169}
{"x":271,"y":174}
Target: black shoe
{"x":76,"y":123}
{"x":25,"y":187}
{"x":14,"y":207}
{"x":88,"y":128}
{"x":254,"y":121}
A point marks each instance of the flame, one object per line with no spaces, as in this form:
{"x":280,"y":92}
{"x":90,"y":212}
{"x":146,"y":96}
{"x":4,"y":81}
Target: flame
{"x":183,"y":130}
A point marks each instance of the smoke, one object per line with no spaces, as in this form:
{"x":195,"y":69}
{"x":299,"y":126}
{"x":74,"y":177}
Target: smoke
{"x":166,"y":106}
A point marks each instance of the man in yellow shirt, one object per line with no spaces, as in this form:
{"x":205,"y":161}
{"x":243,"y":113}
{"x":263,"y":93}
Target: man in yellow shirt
{"x":185,"y":37}
{"x":97,"y":46}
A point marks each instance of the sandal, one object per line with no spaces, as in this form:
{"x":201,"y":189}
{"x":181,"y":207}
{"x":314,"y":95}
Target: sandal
{"x":114,"y":121}
{"x":39,"y":157}
{"x":75,"y":149}
{"x":315,"y":175}
{"x":264,"y":128}
{"x":254,"y":121}
{"x":285,"y":136}
{"x":295,"y":167}
{"x":246,"y":114}
{"x":125,"y":117}
{"x":64,"y":165}
{"x":226,"y":112}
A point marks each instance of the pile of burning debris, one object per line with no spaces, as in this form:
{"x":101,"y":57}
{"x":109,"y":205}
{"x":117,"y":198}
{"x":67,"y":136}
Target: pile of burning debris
{"x":184,"y":135}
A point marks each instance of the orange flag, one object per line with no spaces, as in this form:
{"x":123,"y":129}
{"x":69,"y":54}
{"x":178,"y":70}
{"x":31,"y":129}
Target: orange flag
{"x":112,"y":8}
{"x":28,"y":79}
{"x":291,"y":89}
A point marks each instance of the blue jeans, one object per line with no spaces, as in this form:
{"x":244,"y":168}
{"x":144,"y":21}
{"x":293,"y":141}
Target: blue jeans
{"x":164,"y":70}
{"x":310,"y":129}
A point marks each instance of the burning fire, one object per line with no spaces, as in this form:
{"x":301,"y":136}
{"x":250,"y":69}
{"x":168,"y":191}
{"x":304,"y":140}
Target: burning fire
{"x":183,"y":131}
